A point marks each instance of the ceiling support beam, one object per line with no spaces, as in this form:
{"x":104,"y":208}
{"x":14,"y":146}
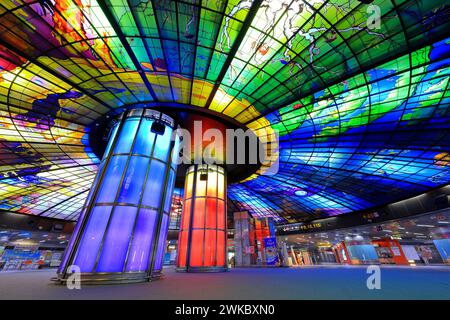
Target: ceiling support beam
{"x":237,"y":43}
{"x":117,"y":29}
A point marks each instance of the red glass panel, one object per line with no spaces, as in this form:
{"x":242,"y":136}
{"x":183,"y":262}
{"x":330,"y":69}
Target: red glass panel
{"x":199,"y":213}
{"x":186,"y":216}
{"x":196,"y":258}
{"x":182,"y":246}
{"x":221,"y":215}
{"x":221,"y":248}
{"x":210,"y":248}
{"x":211,"y":213}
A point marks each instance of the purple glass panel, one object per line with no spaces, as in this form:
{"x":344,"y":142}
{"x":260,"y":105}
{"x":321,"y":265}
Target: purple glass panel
{"x":161,"y":243}
{"x":138,"y":257}
{"x":115,"y":248}
{"x":93,"y":235}
{"x":72,"y":241}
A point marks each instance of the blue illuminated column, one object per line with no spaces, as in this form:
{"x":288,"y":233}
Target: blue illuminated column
{"x":121,"y":233}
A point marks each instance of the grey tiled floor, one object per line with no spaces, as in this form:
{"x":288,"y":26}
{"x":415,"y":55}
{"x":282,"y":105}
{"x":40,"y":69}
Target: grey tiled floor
{"x":319,"y":282}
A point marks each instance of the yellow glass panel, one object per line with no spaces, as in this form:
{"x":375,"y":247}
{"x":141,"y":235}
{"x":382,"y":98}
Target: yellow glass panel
{"x":221,"y":186}
{"x":212,"y":184}
{"x":188,"y":185}
{"x":201,"y":186}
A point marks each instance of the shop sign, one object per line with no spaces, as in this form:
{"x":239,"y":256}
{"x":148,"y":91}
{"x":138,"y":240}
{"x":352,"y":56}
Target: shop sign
{"x":271,"y":252}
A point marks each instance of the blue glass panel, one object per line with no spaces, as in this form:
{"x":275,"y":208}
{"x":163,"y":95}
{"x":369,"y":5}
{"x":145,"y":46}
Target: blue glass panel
{"x":168,"y":200}
{"x":144,"y":234}
{"x":111,"y":180}
{"x":126,"y":136}
{"x":133,"y":182}
{"x":163,"y":145}
{"x":443,"y":246}
{"x":99,"y":172}
{"x":175,"y":152}
{"x":93,"y":235}
{"x":161,"y":243}
{"x":117,"y":239}
{"x":111,"y":140}
{"x":155,"y":181}
{"x":144,"y":139}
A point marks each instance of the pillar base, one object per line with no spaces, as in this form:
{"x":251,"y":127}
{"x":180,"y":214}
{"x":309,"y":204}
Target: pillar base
{"x":106,"y":278}
{"x":111,"y":278}
{"x":202,"y":269}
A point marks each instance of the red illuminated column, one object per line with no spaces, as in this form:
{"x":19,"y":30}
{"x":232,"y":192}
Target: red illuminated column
{"x":203,"y":230}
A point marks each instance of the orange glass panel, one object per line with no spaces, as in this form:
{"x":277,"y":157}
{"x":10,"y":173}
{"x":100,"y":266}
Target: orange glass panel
{"x":196,"y":258}
{"x":210,"y":248}
{"x":221,"y":248}
{"x":199,"y":213}
{"x":186,"y":216}
{"x":211,"y":213}
{"x":221,"y":214}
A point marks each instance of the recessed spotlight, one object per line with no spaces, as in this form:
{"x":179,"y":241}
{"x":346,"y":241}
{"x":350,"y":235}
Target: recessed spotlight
{"x":300,"y":193}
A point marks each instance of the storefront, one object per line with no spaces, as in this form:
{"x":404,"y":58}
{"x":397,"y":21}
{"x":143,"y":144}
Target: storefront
{"x":390,"y":252}
{"x":30,"y":250}
{"x":25,"y":257}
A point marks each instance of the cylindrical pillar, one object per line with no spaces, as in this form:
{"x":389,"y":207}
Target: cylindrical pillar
{"x":121,"y":233}
{"x":203,"y":233}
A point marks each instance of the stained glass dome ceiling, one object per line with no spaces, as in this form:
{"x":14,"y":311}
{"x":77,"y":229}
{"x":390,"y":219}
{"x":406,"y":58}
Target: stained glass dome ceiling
{"x":362,"y":110}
